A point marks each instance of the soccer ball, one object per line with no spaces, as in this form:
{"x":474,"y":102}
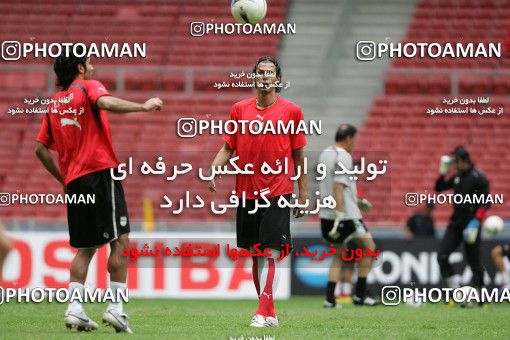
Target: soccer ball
{"x":468,"y":292}
{"x":493,"y":225}
{"x":415,"y":301}
{"x":248,"y":11}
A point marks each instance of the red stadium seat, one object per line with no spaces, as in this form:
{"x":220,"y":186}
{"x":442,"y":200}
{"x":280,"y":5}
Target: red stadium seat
{"x":165,"y":30}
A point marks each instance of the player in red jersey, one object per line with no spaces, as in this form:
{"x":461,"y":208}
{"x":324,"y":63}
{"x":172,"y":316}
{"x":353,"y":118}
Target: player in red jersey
{"x":76,"y":127}
{"x":269,"y":226}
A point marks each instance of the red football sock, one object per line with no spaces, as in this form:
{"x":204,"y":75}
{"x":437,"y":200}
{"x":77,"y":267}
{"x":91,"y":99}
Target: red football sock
{"x":267,"y":280}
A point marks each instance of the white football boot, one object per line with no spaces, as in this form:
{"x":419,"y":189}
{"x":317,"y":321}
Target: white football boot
{"x":272,"y":321}
{"x":80,"y":321}
{"x":117,"y":320}
{"x":258,"y":321}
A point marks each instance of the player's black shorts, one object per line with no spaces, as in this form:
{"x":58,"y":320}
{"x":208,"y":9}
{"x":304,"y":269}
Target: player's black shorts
{"x":92,"y":225}
{"x":268,"y":226}
{"x":506,"y":250}
{"x":346,"y":228}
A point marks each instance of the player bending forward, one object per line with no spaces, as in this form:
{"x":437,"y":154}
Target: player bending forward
{"x":268,"y":226}
{"x":79,"y":132}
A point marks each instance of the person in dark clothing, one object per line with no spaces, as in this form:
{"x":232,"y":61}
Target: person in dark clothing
{"x":465,"y":222}
{"x":421,"y":223}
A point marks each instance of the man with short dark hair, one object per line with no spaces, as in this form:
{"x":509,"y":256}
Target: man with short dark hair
{"x":269,"y":226}
{"x":344,"y":225}
{"x":465,"y":222}
{"x":77,"y":128}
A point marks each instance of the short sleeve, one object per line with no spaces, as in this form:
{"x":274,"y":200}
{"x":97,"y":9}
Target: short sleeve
{"x":231,"y":139}
{"x":345,"y":158}
{"x":45,"y":136}
{"x":95,"y":90}
{"x":297,"y":140}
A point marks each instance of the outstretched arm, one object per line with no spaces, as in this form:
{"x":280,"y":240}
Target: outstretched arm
{"x":117,"y":105}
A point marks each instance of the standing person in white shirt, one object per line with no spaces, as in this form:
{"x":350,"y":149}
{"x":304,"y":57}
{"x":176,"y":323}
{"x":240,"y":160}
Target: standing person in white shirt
{"x":344,"y":225}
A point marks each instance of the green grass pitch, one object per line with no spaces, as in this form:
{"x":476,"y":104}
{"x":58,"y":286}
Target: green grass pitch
{"x":300,"y":318}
